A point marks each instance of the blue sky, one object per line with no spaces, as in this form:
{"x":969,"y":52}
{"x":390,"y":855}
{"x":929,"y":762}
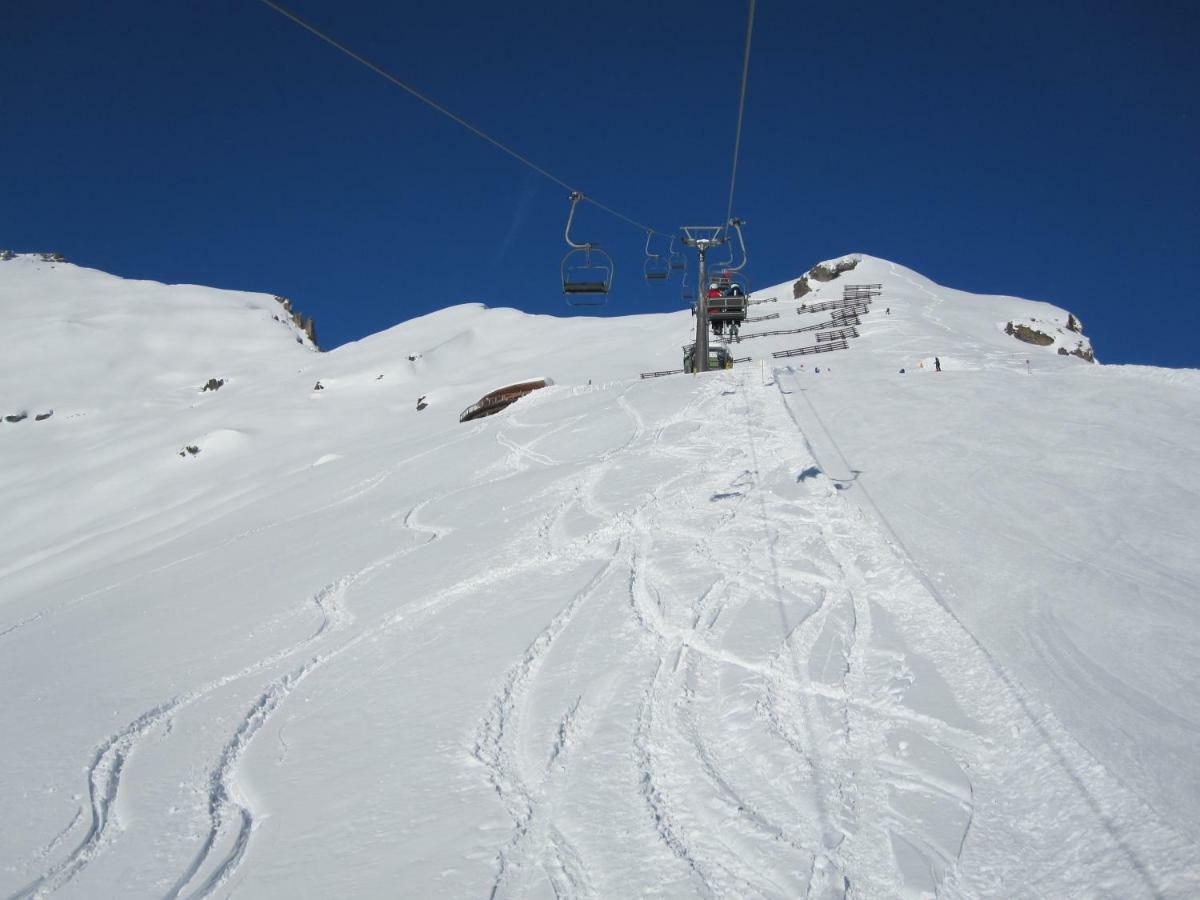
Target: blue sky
{"x":1047,"y":150}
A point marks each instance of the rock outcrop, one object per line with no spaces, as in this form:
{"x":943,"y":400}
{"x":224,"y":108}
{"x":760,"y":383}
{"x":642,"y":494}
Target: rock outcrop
{"x":823,"y":272}
{"x":303,"y":322}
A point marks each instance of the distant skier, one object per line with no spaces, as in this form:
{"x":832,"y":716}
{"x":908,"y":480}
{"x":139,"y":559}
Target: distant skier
{"x":888,"y":311}
{"x":937,"y":364}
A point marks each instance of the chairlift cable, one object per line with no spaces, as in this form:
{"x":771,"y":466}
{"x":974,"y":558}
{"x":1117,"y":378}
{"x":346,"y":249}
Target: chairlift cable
{"x":378,"y":70}
{"x":737,"y":141}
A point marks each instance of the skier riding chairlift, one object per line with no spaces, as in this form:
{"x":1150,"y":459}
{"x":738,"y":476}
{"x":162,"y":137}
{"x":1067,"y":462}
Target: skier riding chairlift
{"x":714,"y":293}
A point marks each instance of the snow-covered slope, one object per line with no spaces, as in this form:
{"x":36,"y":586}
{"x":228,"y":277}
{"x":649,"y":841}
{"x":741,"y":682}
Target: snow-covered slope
{"x":763,"y":632}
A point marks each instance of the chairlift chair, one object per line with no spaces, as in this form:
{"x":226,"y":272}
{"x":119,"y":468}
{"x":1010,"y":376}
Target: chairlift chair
{"x":655,"y":268}
{"x":675,"y":258}
{"x":686,"y":292}
{"x":586,"y":270}
{"x":731,"y":305}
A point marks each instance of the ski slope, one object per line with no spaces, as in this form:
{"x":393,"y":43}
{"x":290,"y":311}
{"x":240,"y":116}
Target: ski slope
{"x":755,"y":633}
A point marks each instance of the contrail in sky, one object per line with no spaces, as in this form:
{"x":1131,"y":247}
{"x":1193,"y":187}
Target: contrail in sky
{"x":528,"y":192}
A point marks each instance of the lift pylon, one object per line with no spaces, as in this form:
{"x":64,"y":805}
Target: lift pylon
{"x":703,"y":238}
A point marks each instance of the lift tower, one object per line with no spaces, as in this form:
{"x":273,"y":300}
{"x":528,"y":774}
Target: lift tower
{"x":703,"y":238}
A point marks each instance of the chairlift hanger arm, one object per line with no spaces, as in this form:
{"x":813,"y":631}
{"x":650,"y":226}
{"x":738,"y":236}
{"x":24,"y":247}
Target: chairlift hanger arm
{"x":650,"y":234}
{"x":576,"y":196}
{"x":736,"y":224}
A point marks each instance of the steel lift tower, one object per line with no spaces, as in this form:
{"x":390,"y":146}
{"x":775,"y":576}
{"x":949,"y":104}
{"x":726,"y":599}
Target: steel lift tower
{"x":703,"y":238}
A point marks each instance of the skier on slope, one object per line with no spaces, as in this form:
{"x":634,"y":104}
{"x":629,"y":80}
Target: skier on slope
{"x":937,"y":364}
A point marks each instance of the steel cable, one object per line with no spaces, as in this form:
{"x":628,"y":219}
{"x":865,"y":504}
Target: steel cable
{"x":379,"y":70}
{"x":737,"y":141}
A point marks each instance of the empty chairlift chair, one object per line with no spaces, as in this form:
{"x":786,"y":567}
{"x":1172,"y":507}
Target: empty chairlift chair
{"x":586,"y":270}
{"x":675,"y":258}
{"x":687,"y":293}
{"x":655,"y":268}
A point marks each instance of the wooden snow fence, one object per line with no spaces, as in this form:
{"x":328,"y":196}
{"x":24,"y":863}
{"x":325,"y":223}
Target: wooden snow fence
{"x":662,"y":373}
{"x":844,"y":303}
{"x":743,"y":359}
{"x":850,"y":312}
{"x":819,"y":326}
{"x":491,"y":403}
{"x":816,"y":348}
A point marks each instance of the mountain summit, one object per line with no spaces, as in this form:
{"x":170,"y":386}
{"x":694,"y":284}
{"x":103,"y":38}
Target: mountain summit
{"x":908,"y":618}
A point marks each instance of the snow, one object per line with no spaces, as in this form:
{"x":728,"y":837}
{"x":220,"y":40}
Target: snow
{"x":853,"y":633}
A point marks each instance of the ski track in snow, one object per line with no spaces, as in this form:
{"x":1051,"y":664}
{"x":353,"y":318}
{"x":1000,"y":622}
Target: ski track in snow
{"x":1005,"y":714}
{"x":676,"y":759}
{"x":108,"y":764}
{"x":799,"y":731}
{"x":356,"y":492}
{"x":841,"y":755}
{"x":521,"y":785}
{"x":228,"y":810}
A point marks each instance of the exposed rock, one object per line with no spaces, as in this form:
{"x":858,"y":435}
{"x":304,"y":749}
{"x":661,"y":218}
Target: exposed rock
{"x":214,"y":384}
{"x":52,"y":256}
{"x":318,"y":386}
{"x":1028,"y":335}
{"x":1073,"y":324}
{"x":42,"y":417}
{"x":6,"y":255}
{"x":1084,"y":352}
{"x":303,"y":322}
{"x":19,"y":417}
{"x":421,"y":404}
{"x":821,"y":272}
{"x":189,"y":450}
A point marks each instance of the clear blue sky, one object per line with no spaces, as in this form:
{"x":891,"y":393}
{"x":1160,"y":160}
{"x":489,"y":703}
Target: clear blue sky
{"x":1048,"y":150}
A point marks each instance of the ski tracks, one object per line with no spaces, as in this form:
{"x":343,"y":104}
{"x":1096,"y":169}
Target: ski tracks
{"x":225,"y":806}
{"x":960,"y":782}
{"x":521,"y":784}
{"x":786,"y":760}
{"x":531,"y":785}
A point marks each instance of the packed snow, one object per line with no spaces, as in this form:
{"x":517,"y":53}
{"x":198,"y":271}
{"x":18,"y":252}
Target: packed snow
{"x":807,"y":627}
